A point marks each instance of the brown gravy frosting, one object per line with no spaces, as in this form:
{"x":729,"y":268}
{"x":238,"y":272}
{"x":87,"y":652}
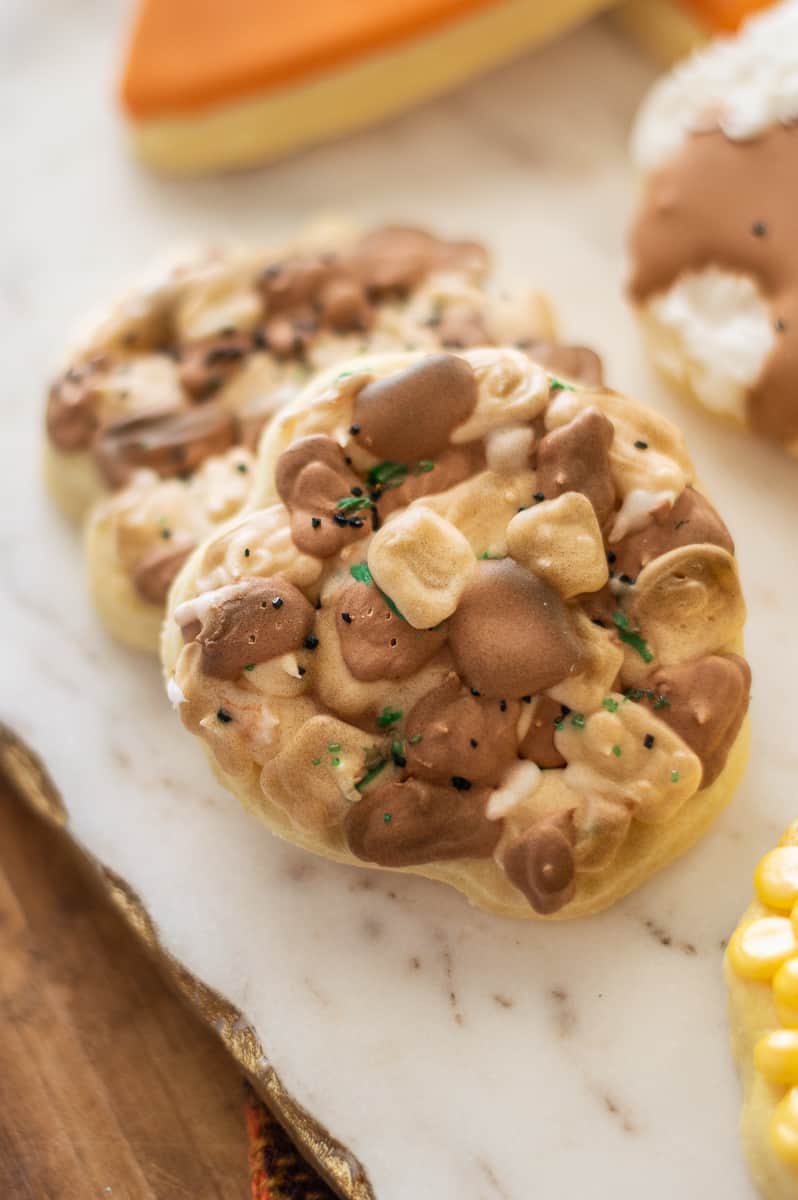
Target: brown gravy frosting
{"x":731,"y":204}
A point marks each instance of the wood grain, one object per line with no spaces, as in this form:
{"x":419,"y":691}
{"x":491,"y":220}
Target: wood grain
{"x":109,"y":1087}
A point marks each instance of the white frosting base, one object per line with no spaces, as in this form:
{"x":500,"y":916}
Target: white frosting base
{"x":711,"y":331}
{"x":744,"y":84}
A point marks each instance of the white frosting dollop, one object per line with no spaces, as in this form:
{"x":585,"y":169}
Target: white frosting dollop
{"x":743,"y":84}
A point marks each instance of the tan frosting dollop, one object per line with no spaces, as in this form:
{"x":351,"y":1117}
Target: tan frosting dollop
{"x":410,"y":414}
{"x":208,"y":364}
{"x":512,"y":635}
{"x":375,"y":642}
{"x":461,"y":735}
{"x":707,"y":702}
{"x":252,"y":622}
{"x":575,"y":458}
{"x":402,"y":824}
{"x":540,"y":862}
{"x":171,"y":442}
{"x":311,"y":476}
{"x":690,"y":521}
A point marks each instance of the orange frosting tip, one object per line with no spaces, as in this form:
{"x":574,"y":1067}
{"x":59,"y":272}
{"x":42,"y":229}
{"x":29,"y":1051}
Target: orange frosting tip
{"x":187,"y":55}
{"x":724,"y":15}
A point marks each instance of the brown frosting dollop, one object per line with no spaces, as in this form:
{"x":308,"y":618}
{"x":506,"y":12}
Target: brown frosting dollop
{"x":574,"y":362}
{"x":538,"y":741}
{"x":170,"y":441}
{"x":256,"y":620}
{"x":375,"y":642}
{"x":461,"y":735}
{"x":154,"y":572}
{"x":410,"y":415}
{"x":708,"y":699}
{"x":393,"y":260}
{"x":691,"y":521}
{"x":403,"y":824}
{"x":541,"y":864}
{"x":512,"y":635}
{"x":311,"y":476}
{"x":575,"y":458}
{"x":207,"y":365}
{"x":71,"y":416}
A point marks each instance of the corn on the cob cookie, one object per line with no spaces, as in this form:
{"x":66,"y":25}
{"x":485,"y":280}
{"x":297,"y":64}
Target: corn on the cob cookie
{"x":762,"y":974}
{"x":477,"y":623}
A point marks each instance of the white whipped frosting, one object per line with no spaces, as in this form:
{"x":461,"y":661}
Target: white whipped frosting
{"x":711,"y":332}
{"x":744,"y":84}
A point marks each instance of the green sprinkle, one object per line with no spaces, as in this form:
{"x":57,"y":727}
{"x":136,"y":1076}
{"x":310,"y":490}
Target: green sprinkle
{"x":617,"y":751}
{"x":243,"y":468}
{"x":344,"y":374}
{"x":249,"y":667}
{"x":373,"y":773}
{"x":387,"y":474}
{"x":333,"y":747}
{"x":578,"y":720}
{"x":353,"y":503}
{"x":492,"y":557}
{"x":336,"y":762}
{"x":610,"y":704}
{"x":662,"y":702}
{"x":415,"y":739}
{"x":559,"y":723}
{"x":389,"y":716}
{"x":360,"y":571}
{"x":631,"y":638}
{"x":675,"y":776}
{"x":423,"y":466}
{"x":386,"y":818}
{"x":316,"y":762}
{"x":397,"y":747}
{"x":557,"y":385}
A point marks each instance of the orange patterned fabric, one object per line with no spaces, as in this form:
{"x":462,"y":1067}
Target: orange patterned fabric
{"x":276,"y":1170}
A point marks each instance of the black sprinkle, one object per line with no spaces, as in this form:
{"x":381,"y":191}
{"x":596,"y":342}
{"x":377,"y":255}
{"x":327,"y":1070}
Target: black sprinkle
{"x":538,"y":496}
{"x":598,"y":621}
{"x":503,"y":705}
{"x":474,"y":743}
{"x":277,"y":602}
{"x":300,"y":671}
{"x":648,"y":741}
{"x":347,"y":617}
{"x":462,"y":785}
{"x":527,"y":699}
{"x":474,"y":692}
{"x":356,"y":491}
{"x":340,"y":520}
{"x":641,"y":445}
{"x":315,"y":522}
{"x":311,"y":642}
{"x":626,"y":579}
{"x":318,"y":604}
{"x":356,"y":522}
{"x":246,"y":552}
{"x":399,"y":760}
{"x":781,"y":326}
{"x":759,"y":229}
{"x":375,"y":519}
{"x":565,"y":710}
{"x":347,"y":460}
{"x":224,"y":716}
{"x":354,"y":430}
{"x":611,"y":557}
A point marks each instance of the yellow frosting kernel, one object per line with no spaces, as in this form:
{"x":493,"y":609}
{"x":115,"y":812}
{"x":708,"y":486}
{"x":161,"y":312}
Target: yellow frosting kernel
{"x":776,"y":878}
{"x":758,"y":949}
{"x":784,"y":1128}
{"x":776,"y":1056}
{"x":785,"y":984}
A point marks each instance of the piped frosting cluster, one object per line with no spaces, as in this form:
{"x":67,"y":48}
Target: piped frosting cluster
{"x":424,"y":642}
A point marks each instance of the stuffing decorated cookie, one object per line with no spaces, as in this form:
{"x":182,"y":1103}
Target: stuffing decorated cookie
{"x":762,"y":976}
{"x":714,"y":246}
{"x":162,"y":403}
{"x":477,"y":623}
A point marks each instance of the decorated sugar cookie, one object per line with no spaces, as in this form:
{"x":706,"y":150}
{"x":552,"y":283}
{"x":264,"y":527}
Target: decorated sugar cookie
{"x":762,"y":975}
{"x":714,"y":264}
{"x":162,"y":403}
{"x":477,"y":623}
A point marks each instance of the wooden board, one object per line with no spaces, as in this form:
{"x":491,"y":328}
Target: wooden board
{"x":108,"y":1085}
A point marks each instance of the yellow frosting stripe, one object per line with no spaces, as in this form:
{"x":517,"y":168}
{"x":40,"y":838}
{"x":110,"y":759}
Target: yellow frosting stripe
{"x":264,"y":125}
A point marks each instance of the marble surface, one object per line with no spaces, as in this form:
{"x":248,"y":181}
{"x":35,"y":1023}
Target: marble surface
{"x":458,"y":1056}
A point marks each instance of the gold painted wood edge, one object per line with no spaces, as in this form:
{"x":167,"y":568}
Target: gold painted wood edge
{"x":27,"y":773}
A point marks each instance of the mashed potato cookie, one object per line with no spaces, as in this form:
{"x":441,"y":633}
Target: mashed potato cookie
{"x":762,"y":975}
{"x":415,"y":649}
{"x":714,"y":247}
{"x":162,"y":403}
